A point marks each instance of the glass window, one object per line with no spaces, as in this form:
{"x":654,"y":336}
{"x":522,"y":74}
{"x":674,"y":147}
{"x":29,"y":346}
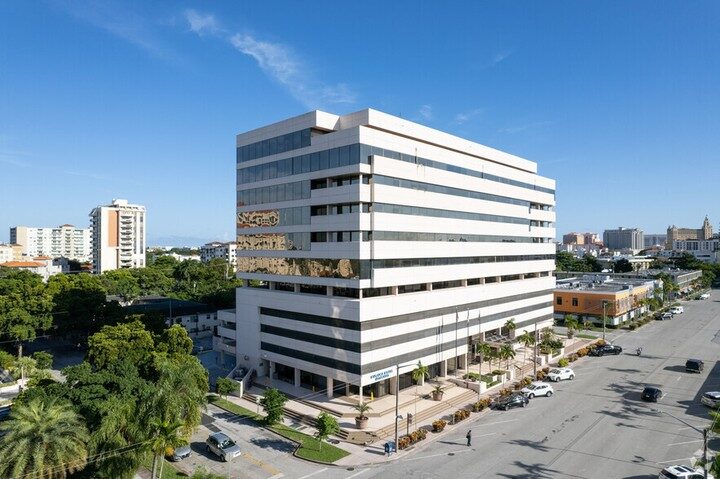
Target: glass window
{"x":314,"y":161}
{"x":305,"y":137}
{"x":273,"y":146}
{"x":306,"y":215}
{"x":306,"y":163}
{"x":273,"y":194}
{"x":289,"y":195}
{"x":297,"y":140}
{"x":305,"y":191}
{"x":265,"y":147}
{"x":265,"y":196}
{"x":344,"y":156}
{"x":272,"y":170}
{"x":323,"y":162}
{"x":354,"y":154}
{"x":297,"y":165}
{"x":264,"y":172}
{"x":333,"y":158}
{"x":297,"y":190}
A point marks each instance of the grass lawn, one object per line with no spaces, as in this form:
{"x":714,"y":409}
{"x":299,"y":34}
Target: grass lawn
{"x":585,"y":336}
{"x":310,"y":448}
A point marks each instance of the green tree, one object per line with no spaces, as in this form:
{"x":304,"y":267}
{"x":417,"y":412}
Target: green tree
{"x":485,"y":351}
{"x":507,"y":353}
{"x":24,"y":367}
{"x":273,"y":403}
{"x":153,"y":281}
{"x":79,"y":303}
{"x":7,"y":360}
{"x":510,"y":326}
{"x":43,"y":359}
{"x":225,"y":386}
{"x":571,"y":323}
{"x":122,"y":283}
{"x":326,"y":426}
{"x":420,"y":373}
{"x":130,"y":341}
{"x":622,"y":266}
{"x":527,"y":340}
{"x":24,"y":306}
{"x":164,"y":435}
{"x":44,"y":439}
{"x":175,"y":340}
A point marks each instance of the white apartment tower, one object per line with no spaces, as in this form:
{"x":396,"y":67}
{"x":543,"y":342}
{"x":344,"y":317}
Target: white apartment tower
{"x":224,"y":251}
{"x":118,"y":236}
{"x":368,"y":243}
{"x":64,"y":241}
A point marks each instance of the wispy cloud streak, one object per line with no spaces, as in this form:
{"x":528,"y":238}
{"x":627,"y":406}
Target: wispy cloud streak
{"x":464,"y":117}
{"x":426,"y":112}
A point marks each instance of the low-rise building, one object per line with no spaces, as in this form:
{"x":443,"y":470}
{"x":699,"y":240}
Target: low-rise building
{"x":10,"y":252}
{"x":707,"y":250}
{"x":41,"y":265}
{"x":224,"y":251}
{"x":199,"y":319}
{"x":592,"y":296}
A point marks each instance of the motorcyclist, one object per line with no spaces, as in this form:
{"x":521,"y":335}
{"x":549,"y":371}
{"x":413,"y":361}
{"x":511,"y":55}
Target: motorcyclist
{"x":638,"y":351}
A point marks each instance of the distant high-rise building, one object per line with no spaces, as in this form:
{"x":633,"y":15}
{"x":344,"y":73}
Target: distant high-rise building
{"x":581,"y":238}
{"x":118,"y":236}
{"x":624,"y":238}
{"x":705,"y":232}
{"x":655,"y":240}
{"x":64,"y":241}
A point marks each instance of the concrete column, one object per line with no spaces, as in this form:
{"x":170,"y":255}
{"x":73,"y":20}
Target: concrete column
{"x":329,"y":387}
{"x":393,"y":384}
{"x":394,"y":290}
{"x":271,"y":285}
{"x":443,"y":368}
{"x":463,"y":282}
{"x":329,"y":290}
{"x":482,"y":280}
{"x":297,"y":377}
{"x":347,"y":389}
{"x":462,"y":361}
{"x":272,"y":369}
{"x":429,"y":286}
{"x":296,"y":288}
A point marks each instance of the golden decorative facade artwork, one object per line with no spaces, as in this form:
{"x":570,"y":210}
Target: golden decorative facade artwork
{"x":258,"y":219}
{"x":318,"y":268}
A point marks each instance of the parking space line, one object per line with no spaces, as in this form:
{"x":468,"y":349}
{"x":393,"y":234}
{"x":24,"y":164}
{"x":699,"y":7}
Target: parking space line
{"x":460,"y":451}
{"x":357,"y":473}
{"x":266,"y":467}
{"x":313,"y":473}
{"x":685,"y":442}
{"x":676,"y":460}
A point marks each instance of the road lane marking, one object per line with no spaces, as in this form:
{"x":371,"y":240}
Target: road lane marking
{"x":313,"y":473}
{"x":485,"y":435}
{"x":459,"y":451}
{"x":676,"y":460}
{"x":498,"y":422}
{"x":277,"y":476}
{"x":685,"y":442}
{"x":357,"y":473}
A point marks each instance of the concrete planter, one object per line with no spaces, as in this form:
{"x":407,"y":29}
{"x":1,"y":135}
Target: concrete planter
{"x":361,"y":422}
{"x":437,"y":395}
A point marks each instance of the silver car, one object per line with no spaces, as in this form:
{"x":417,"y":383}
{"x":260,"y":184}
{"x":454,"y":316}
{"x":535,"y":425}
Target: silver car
{"x":222,"y":446}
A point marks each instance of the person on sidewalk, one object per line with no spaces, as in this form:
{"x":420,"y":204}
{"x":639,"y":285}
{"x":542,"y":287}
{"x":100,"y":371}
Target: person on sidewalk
{"x":469,"y":437}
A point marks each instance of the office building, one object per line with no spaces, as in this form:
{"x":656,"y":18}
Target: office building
{"x":581,"y":238}
{"x":10,"y":252}
{"x":705,"y":232}
{"x":624,"y":238}
{"x":368,"y":243}
{"x":118,"y":236}
{"x":64,"y":241}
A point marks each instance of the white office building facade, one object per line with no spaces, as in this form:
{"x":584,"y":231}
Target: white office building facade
{"x":118,"y":236}
{"x":369,"y":242}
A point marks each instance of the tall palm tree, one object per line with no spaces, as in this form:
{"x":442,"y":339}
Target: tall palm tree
{"x":420,"y":373}
{"x":527,"y":340}
{"x":163,"y":435}
{"x":510,"y":326}
{"x":485,"y":351}
{"x":121,"y":428}
{"x":45,"y":439}
{"x":507,"y":353}
{"x":571,"y":323}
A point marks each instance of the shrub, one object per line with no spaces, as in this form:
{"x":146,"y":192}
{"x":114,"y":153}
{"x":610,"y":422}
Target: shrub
{"x":499,"y":372}
{"x":472,"y":376}
{"x":563,"y":362}
{"x":546,"y":370}
{"x":573,"y":357}
{"x":600,"y":342}
{"x":404,"y":442}
{"x":439,"y":425}
{"x":505,"y":392}
{"x":480,"y":405}
{"x":582,"y":352}
{"x":633,"y":326}
{"x":527,"y":380}
{"x":540,"y":375}
{"x":418,"y":435}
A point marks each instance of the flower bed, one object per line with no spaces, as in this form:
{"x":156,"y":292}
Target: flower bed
{"x":481,"y":404}
{"x":412,"y":438}
{"x":439,"y":425}
{"x":461,"y":414}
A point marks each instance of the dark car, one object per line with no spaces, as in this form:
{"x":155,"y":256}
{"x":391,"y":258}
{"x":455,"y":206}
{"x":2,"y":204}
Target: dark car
{"x":513,"y":400}
{"x":4,"y":412}
{"x":694,"y":366}
{"x":651,"y":394}
{"x":606,"y":349}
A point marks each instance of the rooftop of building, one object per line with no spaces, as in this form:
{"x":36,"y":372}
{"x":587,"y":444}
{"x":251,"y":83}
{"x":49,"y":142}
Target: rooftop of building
{"x":178,"y":307}
{"x":599,"y":283}
{"x":22,"y":264}
{"x":378,"y":120}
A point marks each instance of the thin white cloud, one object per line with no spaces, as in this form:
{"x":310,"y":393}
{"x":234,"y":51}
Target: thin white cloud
{"x":501,"y":56}
{"x":118,"y":20}
{"x":201,"y":23}
{"x":12,"y":160}
{"x":466,"y":116}
{"x":279,"y":62}
{"x":426,"y":112}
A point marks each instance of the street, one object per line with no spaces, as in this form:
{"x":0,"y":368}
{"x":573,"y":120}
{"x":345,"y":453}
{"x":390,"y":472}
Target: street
{"x":595,"y":426}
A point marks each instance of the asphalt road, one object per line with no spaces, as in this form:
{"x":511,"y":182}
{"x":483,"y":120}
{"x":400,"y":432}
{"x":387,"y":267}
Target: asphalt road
{"x":593,"y":427}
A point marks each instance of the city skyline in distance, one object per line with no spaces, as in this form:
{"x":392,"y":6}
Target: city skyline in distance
{"x":105,"y":100}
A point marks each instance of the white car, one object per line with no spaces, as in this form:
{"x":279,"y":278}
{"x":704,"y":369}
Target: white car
{"x":711,"y":398}
{"x":537,"y":389}
{"x":705,"y":296}
{"x":683,"y":472}
{"x":558,"y":374}
{"x":677,"y":310}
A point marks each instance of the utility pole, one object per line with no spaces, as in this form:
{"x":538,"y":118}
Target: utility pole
{"x":397,"y":402}
{"x":604,"y":305}
{"x":480,"y":350}
{"x":535,"y":352}
{"x":456,"y":342}
{"x":705,"y":458}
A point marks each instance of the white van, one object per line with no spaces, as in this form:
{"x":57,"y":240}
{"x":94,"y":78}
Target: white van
{"x":677,"y":310}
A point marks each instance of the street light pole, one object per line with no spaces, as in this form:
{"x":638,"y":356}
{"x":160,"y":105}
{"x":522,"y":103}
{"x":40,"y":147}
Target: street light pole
{"x":604,"y":305}
{"x":705,"y":439}
{"x":535,"y":352}
{"x":397,"y":402}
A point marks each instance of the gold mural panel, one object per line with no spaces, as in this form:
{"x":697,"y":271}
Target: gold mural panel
{"x":263,"y":241}
{"x":258,"y":219}
{"x":317,"y":268}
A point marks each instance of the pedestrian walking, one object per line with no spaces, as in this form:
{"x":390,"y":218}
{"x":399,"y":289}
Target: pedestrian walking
{"x":469,"y":437}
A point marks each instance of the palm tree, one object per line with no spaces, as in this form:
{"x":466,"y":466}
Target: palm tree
{"x":44,"y":439}
{"x":119,"y":429}
{"x":527,"y":340}
{"x":485,"y":351}
{"x":510,"y":326}
{"x":507,"y":353}
{"x":420,"y":373}
{"x":571,"y":323}
{"x":163,"y":435}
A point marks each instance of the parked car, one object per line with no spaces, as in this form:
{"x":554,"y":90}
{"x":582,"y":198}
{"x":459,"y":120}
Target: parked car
{"x":513,"y":400}
{"x":705,"y":296}
{"x":537,"y":389}
{"x":222,"y":446}
{"x":677,"y":310}
{"x":711,"y":398}
{"x":694,"y":366}
{"x":558,"y":374}
{"x":665,"y":315}
{"x":606,"y":349}
{"x":651,"y":394}
{"x":180,"y":453}
{"x":683,"y":472}
{"x":4,"y":412}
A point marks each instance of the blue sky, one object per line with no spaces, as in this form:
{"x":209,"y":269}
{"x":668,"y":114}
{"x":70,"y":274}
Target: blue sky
{"x":618,"y":101}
